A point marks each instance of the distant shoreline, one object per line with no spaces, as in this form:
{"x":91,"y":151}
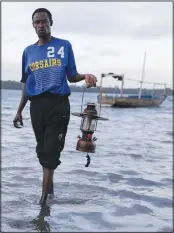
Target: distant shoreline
{"x":13,"y":85}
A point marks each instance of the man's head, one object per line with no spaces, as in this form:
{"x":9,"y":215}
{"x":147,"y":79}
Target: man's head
{"x":42,"y":21}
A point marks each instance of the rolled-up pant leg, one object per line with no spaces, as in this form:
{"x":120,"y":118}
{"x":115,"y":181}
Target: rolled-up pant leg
{"x":50,"y":119}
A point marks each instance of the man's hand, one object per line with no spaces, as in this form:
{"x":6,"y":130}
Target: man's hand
{"x":90,"y":80}
{"x":17,"y":122}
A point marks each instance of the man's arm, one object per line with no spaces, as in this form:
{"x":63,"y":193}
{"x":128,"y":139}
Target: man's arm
{"x":24,"y":98}
{"x":76,"y":78}
{"x":73,"y":76}
{"x":23,"y":101}
{"x":90,"y":79}
{"x":18,"y":117}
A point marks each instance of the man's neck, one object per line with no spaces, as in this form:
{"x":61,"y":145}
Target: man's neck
{"x":44,"y":40}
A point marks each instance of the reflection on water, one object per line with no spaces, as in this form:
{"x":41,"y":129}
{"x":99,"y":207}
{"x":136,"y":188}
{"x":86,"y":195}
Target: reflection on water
{"x":39,"y":223}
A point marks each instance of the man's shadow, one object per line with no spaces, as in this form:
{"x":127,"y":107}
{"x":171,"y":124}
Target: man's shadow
{"x":39,"y":222}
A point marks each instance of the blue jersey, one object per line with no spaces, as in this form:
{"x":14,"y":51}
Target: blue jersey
{"x":45,"y":68}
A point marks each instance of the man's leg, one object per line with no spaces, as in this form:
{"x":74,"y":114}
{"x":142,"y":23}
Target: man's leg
{"x":54,"y":140}
{"x":37,"y":113}
{"x":47,"y":183}
{"x":51,"y":187}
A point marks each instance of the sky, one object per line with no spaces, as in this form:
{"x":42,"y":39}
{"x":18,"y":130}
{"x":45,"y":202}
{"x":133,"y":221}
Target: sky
{"x":105,"y":36}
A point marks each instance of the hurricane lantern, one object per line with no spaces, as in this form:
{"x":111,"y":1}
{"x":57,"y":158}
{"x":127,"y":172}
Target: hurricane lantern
{"x":89,"y":119}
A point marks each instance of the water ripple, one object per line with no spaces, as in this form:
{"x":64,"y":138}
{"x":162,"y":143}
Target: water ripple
{"x":127,"y":187}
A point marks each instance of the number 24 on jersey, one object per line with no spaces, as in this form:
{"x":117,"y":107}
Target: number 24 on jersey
{"x":51,"y":52}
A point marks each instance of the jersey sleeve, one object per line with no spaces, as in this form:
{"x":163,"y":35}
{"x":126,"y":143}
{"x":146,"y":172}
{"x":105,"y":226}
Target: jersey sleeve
{"x":71,"y":70}
{"x":24,"y":75}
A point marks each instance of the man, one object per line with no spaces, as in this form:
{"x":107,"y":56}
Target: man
{"x":46,"y":66}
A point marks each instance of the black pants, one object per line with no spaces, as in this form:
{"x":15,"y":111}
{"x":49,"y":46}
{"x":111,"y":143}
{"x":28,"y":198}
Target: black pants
{"x":50,"y":116}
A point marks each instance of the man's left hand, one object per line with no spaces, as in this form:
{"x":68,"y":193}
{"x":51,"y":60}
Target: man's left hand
{"x":90,"y":80}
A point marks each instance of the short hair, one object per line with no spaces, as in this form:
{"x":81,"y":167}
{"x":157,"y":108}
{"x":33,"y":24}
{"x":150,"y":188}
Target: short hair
{"x":43,"y":10}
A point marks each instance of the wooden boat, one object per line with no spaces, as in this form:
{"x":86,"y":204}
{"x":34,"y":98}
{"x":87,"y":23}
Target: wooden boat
{"x":134,"y":101}
{"x":131,"y":101}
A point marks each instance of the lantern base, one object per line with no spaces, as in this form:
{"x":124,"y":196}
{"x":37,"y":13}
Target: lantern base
{"x":86,"y":146}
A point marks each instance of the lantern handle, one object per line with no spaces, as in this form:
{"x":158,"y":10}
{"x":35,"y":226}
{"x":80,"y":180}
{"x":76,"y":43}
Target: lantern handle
{"x":83,"y":98}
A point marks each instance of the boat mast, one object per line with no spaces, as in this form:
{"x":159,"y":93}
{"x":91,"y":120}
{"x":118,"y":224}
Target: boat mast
{"x":142,"y":76}
{"x":122,"y":84}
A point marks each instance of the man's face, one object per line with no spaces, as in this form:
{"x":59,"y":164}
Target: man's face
{"x":41,"y":23}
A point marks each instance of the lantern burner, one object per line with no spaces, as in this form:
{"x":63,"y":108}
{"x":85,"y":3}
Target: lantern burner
{"x":86,"y":143}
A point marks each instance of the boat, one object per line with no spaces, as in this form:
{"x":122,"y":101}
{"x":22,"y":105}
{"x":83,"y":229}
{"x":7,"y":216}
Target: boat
{"x":133,"y":100}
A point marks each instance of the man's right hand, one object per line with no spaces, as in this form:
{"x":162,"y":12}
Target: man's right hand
{"x":17,"y":122}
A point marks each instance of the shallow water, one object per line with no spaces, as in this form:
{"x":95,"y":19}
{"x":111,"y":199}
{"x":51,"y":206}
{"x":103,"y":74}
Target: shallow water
{"x":130,"y":174}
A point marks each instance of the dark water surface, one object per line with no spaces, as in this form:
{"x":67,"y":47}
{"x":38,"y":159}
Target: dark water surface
{"x":127,"y":187}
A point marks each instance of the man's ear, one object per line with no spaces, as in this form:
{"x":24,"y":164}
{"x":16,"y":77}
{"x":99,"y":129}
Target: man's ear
{"x":51,"y":23}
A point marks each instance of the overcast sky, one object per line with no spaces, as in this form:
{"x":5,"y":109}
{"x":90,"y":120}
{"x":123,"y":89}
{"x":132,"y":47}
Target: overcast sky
{"x":106,"y":37}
